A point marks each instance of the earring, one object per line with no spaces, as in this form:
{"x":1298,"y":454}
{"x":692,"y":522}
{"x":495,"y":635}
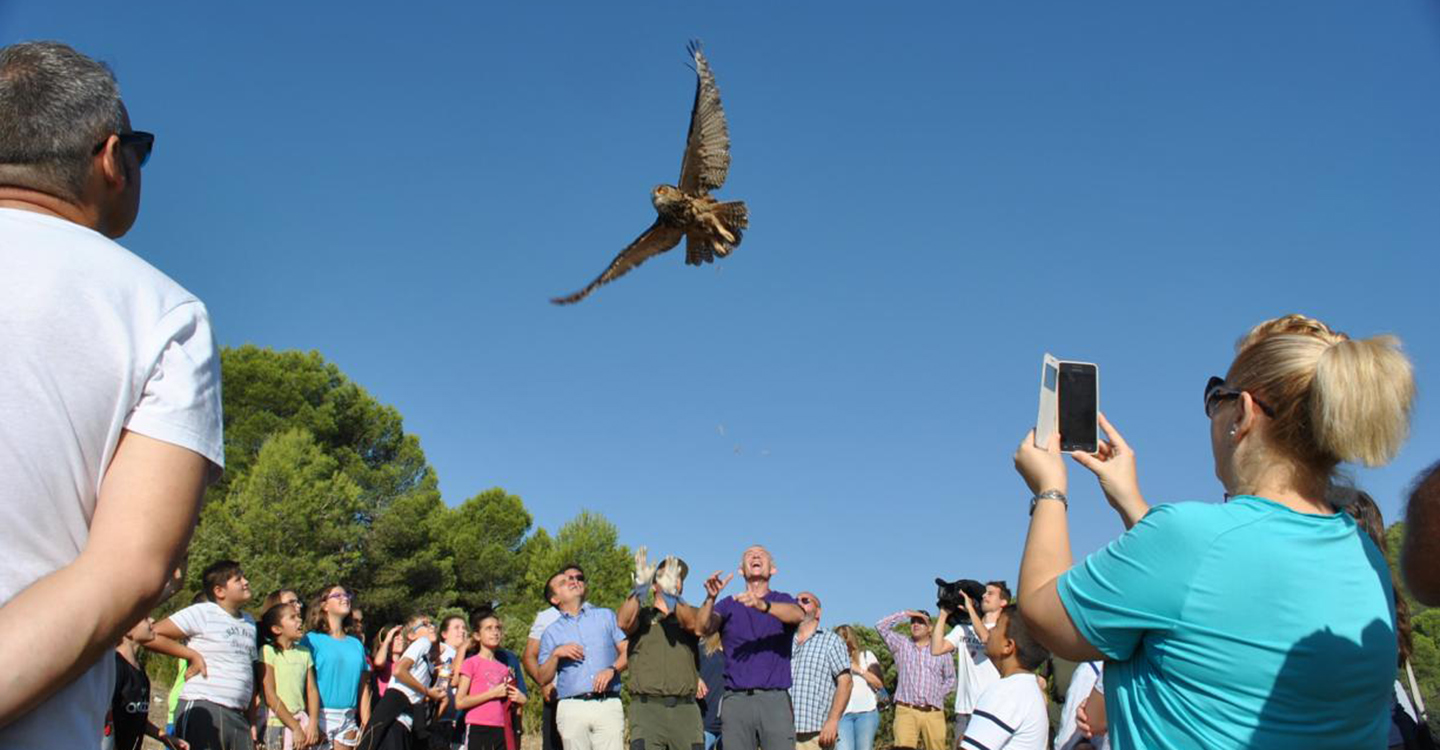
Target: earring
{"x":1232,"y":432}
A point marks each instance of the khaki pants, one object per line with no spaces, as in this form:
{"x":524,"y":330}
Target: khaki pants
{"x":913,"y":726}
{"x":591,"y":724}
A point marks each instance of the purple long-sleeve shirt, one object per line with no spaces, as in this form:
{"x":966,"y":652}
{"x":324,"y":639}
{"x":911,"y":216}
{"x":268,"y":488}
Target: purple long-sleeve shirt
{"x":924,"y":680}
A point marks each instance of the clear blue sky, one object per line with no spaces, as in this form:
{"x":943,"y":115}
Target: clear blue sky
{"x":939,"y":194}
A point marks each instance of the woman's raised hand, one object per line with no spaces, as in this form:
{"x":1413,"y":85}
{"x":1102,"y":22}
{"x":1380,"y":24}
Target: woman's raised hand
{"x":1114,"y":465}
{"x":1041,"y":468}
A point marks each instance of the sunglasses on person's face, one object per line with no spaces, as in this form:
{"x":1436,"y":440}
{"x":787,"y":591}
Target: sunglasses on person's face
{"x":1216,"y":391}
{"x":806,"y":600}
{"x":143,"y":142}
{"x":579,"y":577}
{"x":346,"y":595}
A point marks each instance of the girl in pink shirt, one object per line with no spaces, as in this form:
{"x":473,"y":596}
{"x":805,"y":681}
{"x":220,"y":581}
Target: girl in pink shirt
{"x":487,"y":691}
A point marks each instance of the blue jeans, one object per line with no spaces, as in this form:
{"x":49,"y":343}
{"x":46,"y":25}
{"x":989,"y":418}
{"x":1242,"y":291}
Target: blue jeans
{"x":710,"y":739}
{"x":857,"y":731}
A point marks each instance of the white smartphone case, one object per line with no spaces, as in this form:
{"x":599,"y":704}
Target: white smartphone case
{"x":1049,"y":401}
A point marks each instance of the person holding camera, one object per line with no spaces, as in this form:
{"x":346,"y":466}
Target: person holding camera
{"x":973,"y":669}
{"x":923,"y":681}
{"x":1265,"y":621}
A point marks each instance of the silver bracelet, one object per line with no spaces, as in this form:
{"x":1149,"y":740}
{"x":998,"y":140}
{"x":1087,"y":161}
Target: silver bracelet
{"x":1049,"y":495}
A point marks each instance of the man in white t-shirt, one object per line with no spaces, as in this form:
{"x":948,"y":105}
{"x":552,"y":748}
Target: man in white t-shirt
{"x":549,"y":729}
{"x":973,"y":670}
{"x":224,"y":661}
{"x":110,"y":391}
{"x":1011,"y":712}
{"x":1087,"y":688}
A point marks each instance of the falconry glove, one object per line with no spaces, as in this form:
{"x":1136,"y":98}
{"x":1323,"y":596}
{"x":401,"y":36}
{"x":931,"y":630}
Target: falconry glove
{"x":669,"y":577}
{"x":643,"y":575}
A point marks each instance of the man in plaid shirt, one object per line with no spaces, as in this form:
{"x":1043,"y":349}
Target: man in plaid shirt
{"x":819,"y":677}
{"x":924,"y":681}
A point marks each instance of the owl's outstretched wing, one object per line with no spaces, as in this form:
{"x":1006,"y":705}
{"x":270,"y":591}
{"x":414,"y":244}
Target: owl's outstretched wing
{"x":655,"y":240}
{"x":707,"y":149}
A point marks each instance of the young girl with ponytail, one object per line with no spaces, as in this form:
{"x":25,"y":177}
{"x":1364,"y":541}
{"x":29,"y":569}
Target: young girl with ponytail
{"x":1264,"y":621}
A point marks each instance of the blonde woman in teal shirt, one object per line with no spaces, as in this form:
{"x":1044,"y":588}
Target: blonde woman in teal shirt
{"x":1266,"y":621}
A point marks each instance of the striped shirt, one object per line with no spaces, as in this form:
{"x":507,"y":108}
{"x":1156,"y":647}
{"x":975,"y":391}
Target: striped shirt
{"x":227,"y":643}
{"x":924,"y":679}
{"x":1011,"y":715}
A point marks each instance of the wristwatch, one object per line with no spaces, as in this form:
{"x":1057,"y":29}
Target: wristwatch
{"x":1049,"y":495}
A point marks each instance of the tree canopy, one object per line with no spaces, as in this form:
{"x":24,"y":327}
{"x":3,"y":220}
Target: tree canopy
{"x":323,"y":485}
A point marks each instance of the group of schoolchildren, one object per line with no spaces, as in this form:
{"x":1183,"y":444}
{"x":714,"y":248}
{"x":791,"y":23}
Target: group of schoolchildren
{"x":301,"y":678}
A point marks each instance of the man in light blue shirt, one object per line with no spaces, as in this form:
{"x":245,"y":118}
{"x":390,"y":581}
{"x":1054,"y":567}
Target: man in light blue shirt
{"x":583,"y":652}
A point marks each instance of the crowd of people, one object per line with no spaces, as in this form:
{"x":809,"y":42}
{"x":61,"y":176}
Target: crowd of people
{"x":1270,"y":620}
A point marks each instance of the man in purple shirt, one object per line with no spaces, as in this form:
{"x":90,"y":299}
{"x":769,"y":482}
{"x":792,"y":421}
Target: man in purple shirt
{"x":757,"y":628}
{"x":923,"y":682}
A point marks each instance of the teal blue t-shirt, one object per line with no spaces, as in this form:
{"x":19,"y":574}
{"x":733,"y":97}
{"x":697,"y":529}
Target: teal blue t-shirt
{"x":1243,"y":625}
{"x":339,"y":665}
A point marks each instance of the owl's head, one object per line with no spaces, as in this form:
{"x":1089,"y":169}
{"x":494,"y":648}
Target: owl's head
{"x":663,"y":195}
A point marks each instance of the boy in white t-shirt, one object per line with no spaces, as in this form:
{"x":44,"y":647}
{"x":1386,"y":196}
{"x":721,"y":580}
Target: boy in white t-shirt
{"x":219,"y":695}
{"x":1011,"y":713}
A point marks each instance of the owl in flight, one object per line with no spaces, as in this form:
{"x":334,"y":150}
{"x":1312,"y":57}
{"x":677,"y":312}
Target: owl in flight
{"x":687,"y":210}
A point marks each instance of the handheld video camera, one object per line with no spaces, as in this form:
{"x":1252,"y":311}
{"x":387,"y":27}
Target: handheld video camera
{"x":948,"y":597}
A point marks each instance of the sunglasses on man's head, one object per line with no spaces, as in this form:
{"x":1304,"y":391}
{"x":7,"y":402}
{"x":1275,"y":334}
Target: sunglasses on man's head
{"x":143,"y":141}
{"x":1216,"y":391}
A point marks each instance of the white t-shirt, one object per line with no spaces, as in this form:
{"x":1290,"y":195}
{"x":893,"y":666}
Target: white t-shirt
{"x":973,"y":671}
{"x":862,"y":696}
{"x":1010,"y":714}
{"x":95,"y":340}
{"x":228,"y":645}
{"x":1088,"y":676}
{"x":543,"y":619}
{"x":421,"y":669}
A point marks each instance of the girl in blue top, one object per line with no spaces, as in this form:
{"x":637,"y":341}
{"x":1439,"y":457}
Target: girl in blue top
{"x":340,"y":667}
{"x":1267,"y":621}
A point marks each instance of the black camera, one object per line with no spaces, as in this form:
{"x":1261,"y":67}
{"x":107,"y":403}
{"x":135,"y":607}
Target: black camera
{"x":949,"y":598}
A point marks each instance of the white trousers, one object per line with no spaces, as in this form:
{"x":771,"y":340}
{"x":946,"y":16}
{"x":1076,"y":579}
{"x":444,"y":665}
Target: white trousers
{"x":591,"y":725}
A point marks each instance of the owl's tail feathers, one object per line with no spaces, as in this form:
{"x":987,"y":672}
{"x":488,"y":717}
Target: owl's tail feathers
{"x":727,"y":225}
{"x":699,"y":249}
{"x":736,"y":217}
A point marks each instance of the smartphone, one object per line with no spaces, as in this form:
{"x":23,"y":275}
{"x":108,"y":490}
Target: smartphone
{"x":1079,"y":396}
{"x":1045,"y":421}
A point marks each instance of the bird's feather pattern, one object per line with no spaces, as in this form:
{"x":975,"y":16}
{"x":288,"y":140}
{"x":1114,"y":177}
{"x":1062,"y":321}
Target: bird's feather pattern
{"x":707,"y":148}
{"x":655,"y":240}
